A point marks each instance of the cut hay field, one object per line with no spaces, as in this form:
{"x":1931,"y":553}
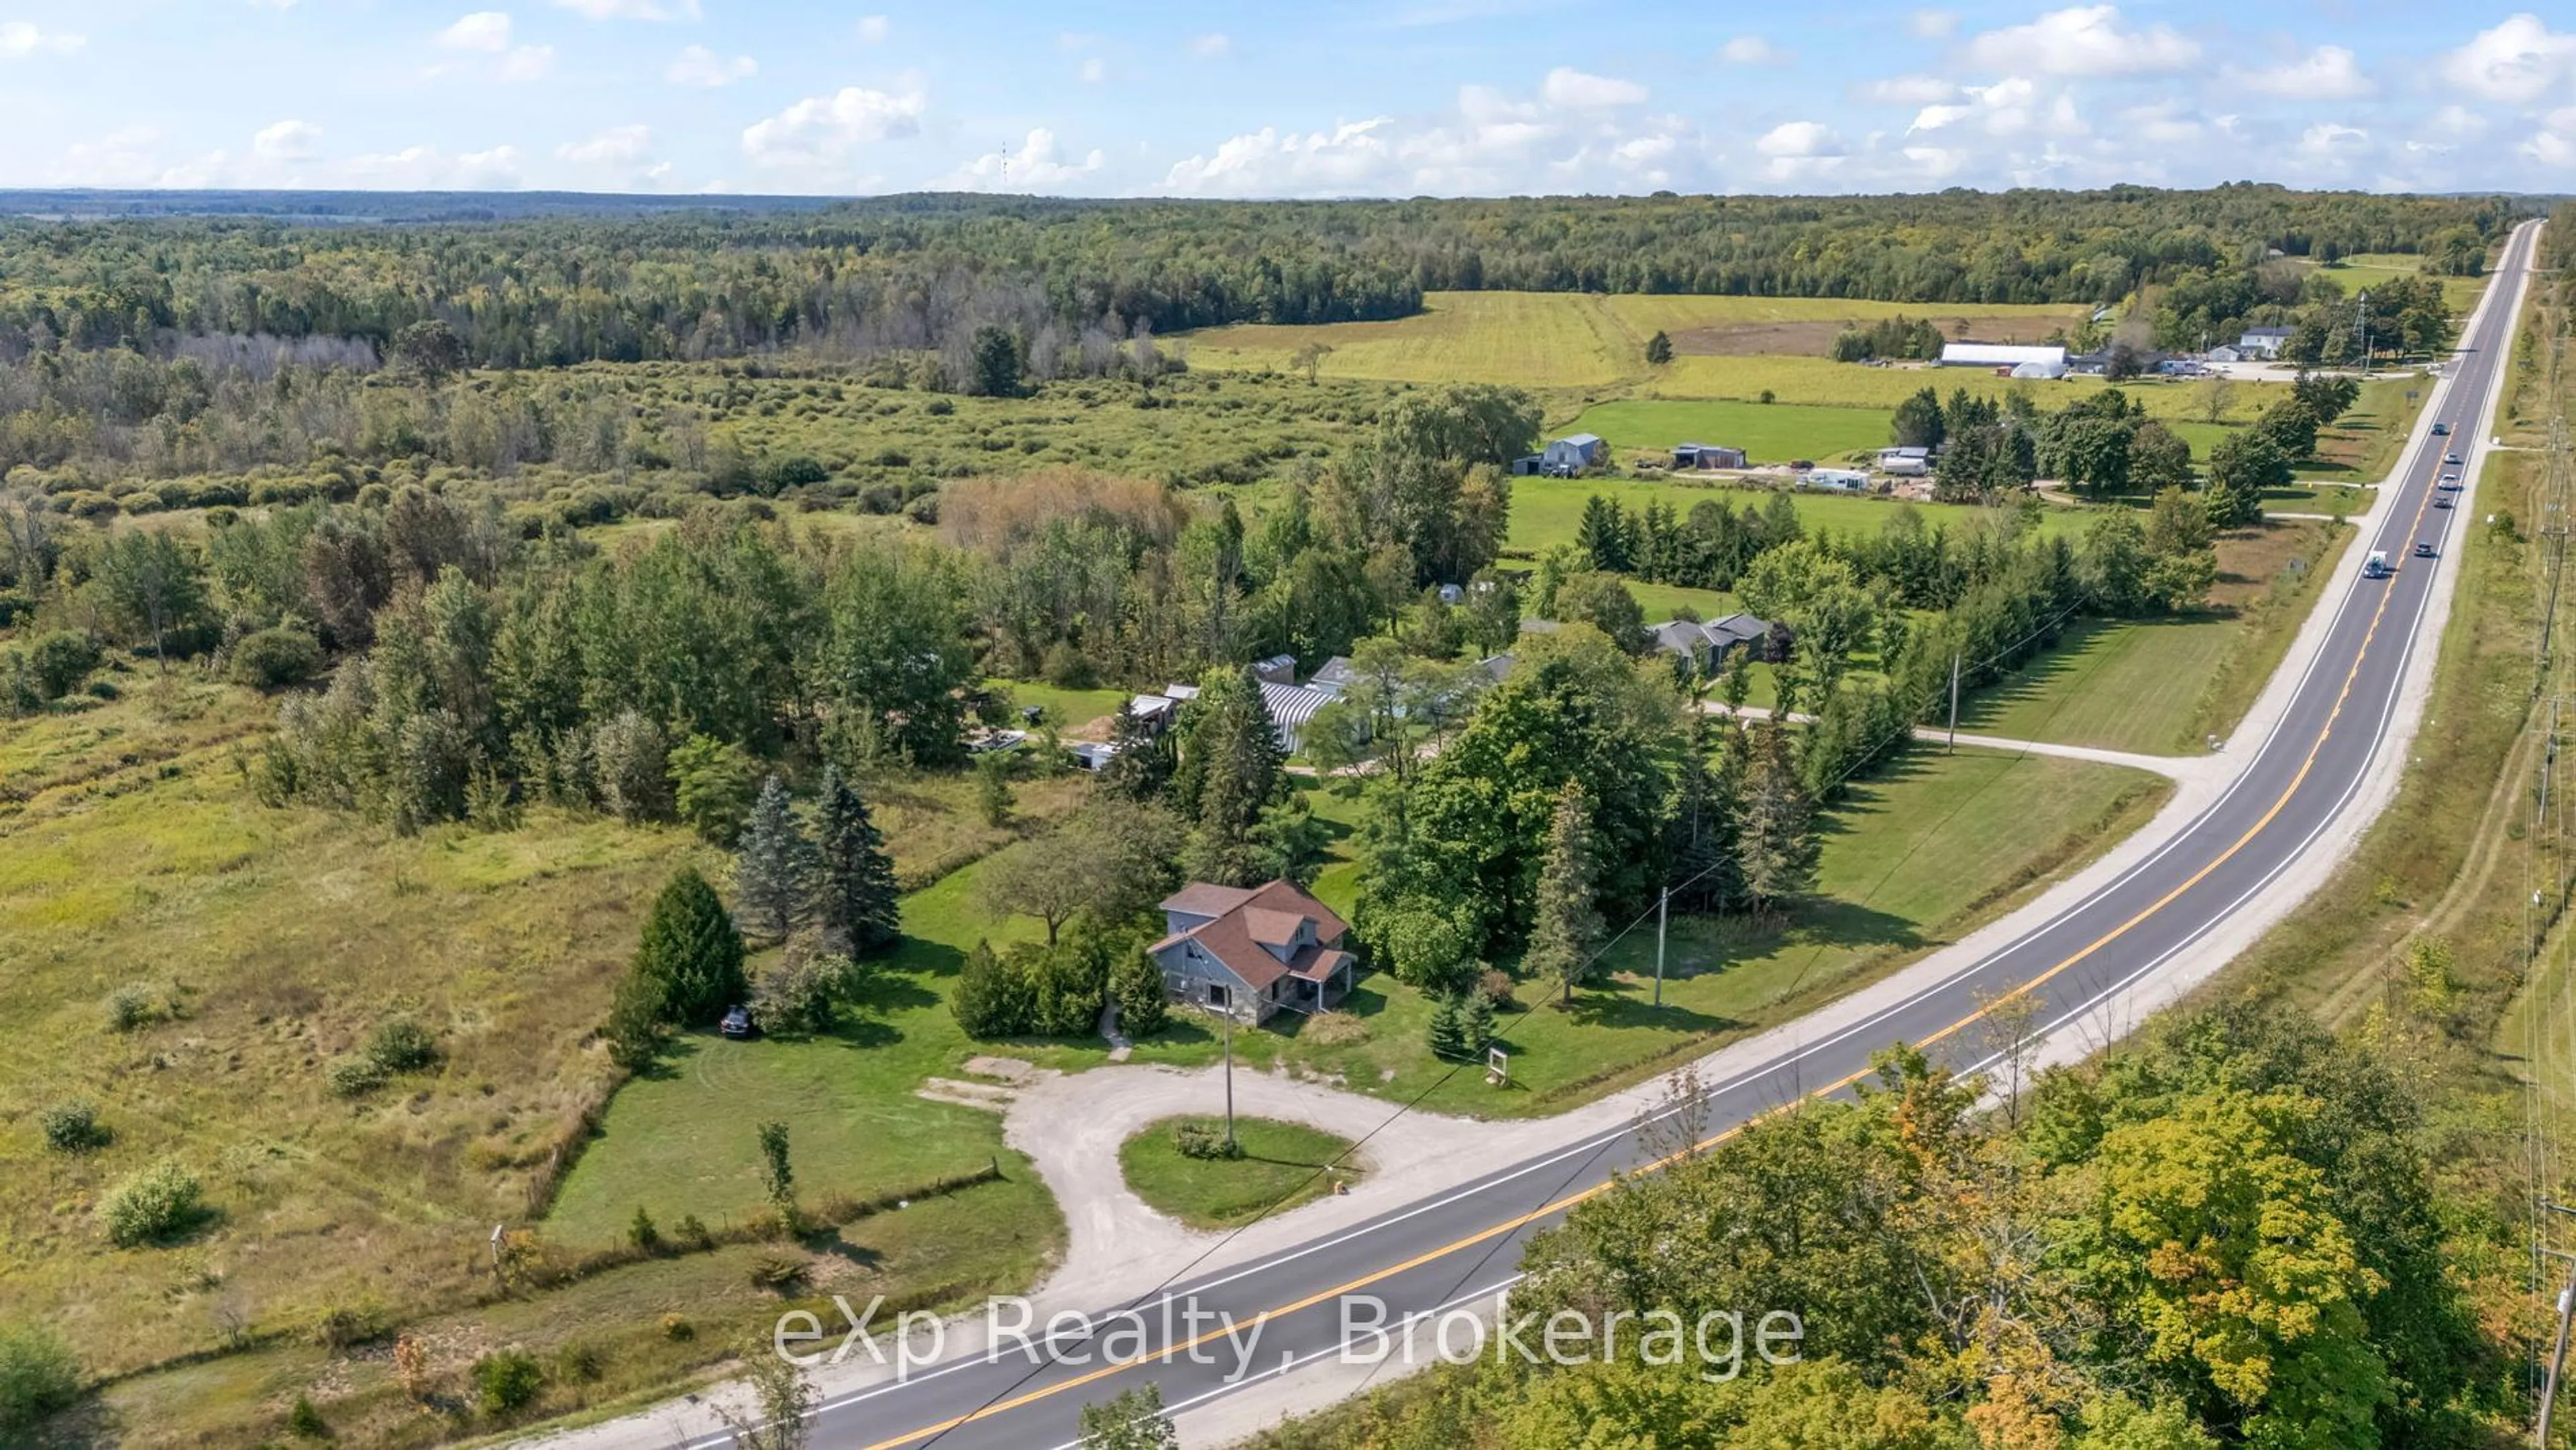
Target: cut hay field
{"x":1582,"y":340}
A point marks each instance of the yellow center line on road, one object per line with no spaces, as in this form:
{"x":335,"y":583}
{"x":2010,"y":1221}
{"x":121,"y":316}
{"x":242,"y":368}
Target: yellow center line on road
{"x":1580,"y":1196}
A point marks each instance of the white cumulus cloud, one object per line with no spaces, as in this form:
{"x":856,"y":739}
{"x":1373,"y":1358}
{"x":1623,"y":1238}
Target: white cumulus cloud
{"x":19,"y":39}
{"x":823,"y":130}
{"x":2520,"y":60}
{"x":482,"y":30}
{"x":286,"y":141}
{"x":1035,"y":166}
{"x":699,"y":66}
{"x":632,"y":9}
{"x":616,"y":146}
{"x":2085,"y":40}
{"x":1352,"y":157}
{"x":2328,"y":73}
{"x":1908,"y":91}
{"x":1576,"y":90}
{"x":1751,"y":50}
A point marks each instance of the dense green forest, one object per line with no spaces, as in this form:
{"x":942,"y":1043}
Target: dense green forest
{"x":1073,"y":278}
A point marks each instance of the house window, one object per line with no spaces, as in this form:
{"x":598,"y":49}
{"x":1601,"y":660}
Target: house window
{"x":1217,"y":996}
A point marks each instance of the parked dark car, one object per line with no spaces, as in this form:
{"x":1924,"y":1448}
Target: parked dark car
{"x":737,"y":1024}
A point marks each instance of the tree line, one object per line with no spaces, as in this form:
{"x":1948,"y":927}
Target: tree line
{"x":923,"y":273}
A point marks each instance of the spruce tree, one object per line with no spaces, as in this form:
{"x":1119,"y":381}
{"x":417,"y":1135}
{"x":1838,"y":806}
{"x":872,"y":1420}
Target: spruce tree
{"x":1144,"y":1000}
{"x":856,"y":904}
{"x":773,"y":873}
{"x":989,"y":1000}
{"x":691,"y":949}
{"x":1776,"y":842}
{"x":1568,"y":927}
{"x":1699,"y":836}
{"x":1232,"y":770}
{"x":1448,"y":1029}
{"x":1142,"y":766}
{"x":1476,"y":1023}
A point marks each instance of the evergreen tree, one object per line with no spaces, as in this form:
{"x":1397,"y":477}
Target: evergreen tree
{"x":1776,"y":842}
{"x":1144,"y":1000}
{"x":1568,"y":928}
{"x":1230,"y":773}
{"x":1659,"y":349}
{"x":635,"y":1029}
{"x":1448,"y":1029}
{"x":691,"y":952}
{"x":1143,"y":765}
{"x":773,"y":873}
{"x":857,"y":906}
{"x":1700,"y":835}
{"x":1606,"y":535}
{"x":1476,"y":1023}
{"x":989,"y":1000}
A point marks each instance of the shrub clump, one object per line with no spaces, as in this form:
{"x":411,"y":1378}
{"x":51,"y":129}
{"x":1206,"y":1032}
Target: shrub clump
{"x":402,"y":1045}
{"x":154,"y":1205}
{"x":37,"y":1375}
{"x":507,"y":1381}
{"x":272,"y":659}
{"x":1204,"y":1141}
{"x":135,"y":1006}
{"x":354,"y":1077}
{"x":73,"y":1128}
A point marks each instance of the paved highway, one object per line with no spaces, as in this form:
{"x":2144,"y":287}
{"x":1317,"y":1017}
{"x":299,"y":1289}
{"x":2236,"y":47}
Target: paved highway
{"x":1462,"y":1245}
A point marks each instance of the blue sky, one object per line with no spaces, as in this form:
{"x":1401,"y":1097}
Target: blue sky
{"x":1324,"y":98}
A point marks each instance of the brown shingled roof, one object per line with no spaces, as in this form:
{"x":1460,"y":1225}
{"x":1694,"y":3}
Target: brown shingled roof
{"x":1231,"y":937}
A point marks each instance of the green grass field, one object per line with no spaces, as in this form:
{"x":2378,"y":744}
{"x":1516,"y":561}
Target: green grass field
{"x":1823,"y":382}
{"x":2160,"y":687}
{"x":1911,"y":860}
{"x":1283,"y":1165}
{"x":2364,"y":270}
{"x":2123,"y":686}
{"x":1774,"y":434}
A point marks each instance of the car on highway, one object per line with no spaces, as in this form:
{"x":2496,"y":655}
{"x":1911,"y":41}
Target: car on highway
{"x":2441,"y":500}
{"x":2450,"y":480}
{"x":2452,"y":459}
{"x":2376,"y":566}
{"x":2424,"y":549}
{"x":2441,"y":430}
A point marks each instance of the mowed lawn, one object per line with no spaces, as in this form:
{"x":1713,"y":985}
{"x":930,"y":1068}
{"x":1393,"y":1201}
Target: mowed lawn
{"x":1282,"y":1165}
{"x":1776,"y":433}
{"x":2132,"y":685}
{"x":1549,"y":511}
{"x":1821,"y":381}
{"x":1911,"y":860}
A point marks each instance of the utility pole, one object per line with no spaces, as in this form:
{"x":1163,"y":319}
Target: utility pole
{"x":2558,"y":1346}
{"x":2362,"y":304}
{"x":1953,"y":748}
{"x":2557,"y":1351}
{"x":1663,"y":908}
{"x":1229,"y":1074}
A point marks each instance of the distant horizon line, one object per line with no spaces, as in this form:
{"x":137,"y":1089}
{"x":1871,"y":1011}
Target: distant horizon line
{"x":684,"y":200}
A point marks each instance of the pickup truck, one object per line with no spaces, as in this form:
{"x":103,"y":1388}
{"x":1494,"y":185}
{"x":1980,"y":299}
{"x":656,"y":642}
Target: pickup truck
{"x":2376,"y":566}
